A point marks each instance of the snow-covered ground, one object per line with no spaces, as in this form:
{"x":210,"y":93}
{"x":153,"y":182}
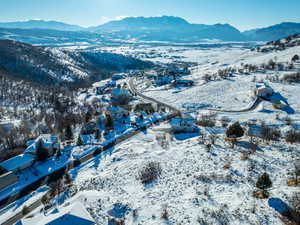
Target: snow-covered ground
{"x":197,"y":184}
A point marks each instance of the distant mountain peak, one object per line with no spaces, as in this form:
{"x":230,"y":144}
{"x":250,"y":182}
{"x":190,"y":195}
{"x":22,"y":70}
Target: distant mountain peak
{"x":40,"y":24}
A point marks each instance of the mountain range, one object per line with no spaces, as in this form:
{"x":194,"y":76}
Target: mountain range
{"x":164,"y":28}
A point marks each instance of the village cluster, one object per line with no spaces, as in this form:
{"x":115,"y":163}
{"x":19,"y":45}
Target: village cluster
{"x":117,"y":111}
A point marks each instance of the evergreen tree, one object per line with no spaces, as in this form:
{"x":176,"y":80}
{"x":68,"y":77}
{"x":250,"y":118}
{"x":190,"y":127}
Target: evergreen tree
{"x":235,"y":130}
{"x":41,"y":152}
{"x":295,"y":58}
{"x":79,"y":140}
{"x":109,"y":121}
{"x":264,"y":182}
{"x":97,"y":134}
{"x":69,"y":133}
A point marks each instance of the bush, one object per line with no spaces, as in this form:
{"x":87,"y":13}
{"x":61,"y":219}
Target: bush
{"x":25,"y":210}
{"x":291,"y":77}
{"x":235,"y":130}
{"x":264,"y":182}
{"x":292,"y":136}
{"x":150,"y":172}
{"x":295,"y":58}
{"x":270,"y":133}
{"x":45,"y":200}
{"x":165,"y":214}
{"x":207,"y":121}
{"x":295,"y":202}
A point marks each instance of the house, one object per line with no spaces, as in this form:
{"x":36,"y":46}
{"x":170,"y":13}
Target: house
{"x":18,"y":162}
{"x":263,"y":91}
{"x":73,"y":213}
{"x":50,"y":143}
{"x":119,"y":96}
{"x":111,"y":83}
{"x":118,"y":76}
{"x":100,"y":87}
{"x":184,"y":125}
{"x":117,"y":112}
{"x":7,"y":178}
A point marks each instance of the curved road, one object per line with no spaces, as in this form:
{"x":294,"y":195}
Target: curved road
{"x":134,"y":90}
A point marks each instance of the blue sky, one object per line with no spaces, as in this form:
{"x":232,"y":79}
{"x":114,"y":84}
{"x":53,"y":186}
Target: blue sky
{"x":243,"y":14}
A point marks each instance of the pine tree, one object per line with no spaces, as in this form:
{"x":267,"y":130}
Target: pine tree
{"x":41,"y":152}
{"x":109,"y":122}
{"x":295,"y":58}
{"x":79,"y":140}
{"x":264,"y":182}
{"x":68,"y":133}
{"x":235,"y":130}
{"x":97,"y":134}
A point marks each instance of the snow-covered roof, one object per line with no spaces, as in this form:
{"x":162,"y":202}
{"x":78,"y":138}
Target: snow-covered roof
{"x":177,"y":122}
{"x":99,"y":84}
{"x":75,"y":214}
{"x":47,"y":140}
{"x":119,"y":91}
{"x":18,"y":161}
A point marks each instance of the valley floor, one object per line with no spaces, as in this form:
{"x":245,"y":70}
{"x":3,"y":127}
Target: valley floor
{"x":199,"y":184}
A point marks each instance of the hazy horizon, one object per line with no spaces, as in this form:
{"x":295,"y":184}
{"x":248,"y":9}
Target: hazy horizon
{"x":240,"y":14}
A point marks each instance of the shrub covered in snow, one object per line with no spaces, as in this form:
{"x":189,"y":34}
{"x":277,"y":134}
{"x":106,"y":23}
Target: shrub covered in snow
{"x":150,"y":172}
{"x":291,"y":77}
{"x":235,"y":130}
{"x":292,"y":136}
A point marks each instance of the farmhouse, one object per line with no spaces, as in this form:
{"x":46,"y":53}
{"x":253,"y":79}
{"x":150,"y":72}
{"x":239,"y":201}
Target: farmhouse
{"x":187,"y":124}
{"x":263,"y":91}
{"x":50,"y":143}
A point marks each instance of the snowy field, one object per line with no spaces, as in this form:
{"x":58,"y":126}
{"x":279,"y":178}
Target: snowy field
{"x":198,"y":185}
{"x":195,"y":183}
